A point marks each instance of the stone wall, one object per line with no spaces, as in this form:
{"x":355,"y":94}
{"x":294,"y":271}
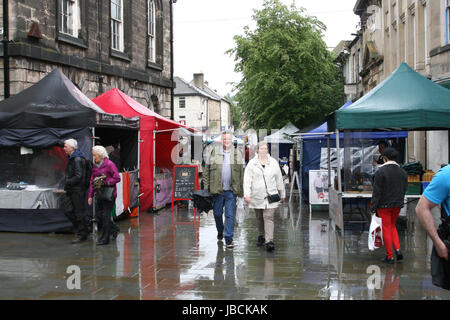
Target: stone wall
{"x":88,"y":60}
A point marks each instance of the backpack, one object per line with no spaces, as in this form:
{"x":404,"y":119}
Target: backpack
{"x":87,"y":172}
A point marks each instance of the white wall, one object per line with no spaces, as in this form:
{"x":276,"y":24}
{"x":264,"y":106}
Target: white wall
{"x":437,"y":149}
{"x":195,"y":105}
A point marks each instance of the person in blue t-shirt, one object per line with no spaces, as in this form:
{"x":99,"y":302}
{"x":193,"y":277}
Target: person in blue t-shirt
{"x":437,"y":193}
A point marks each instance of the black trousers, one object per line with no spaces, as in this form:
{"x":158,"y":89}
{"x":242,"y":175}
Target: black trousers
{"x":103,"y":210}
{"x":75,"y":211}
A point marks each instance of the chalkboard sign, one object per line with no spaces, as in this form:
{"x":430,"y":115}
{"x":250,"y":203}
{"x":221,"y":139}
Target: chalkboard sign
{"x":185,"y":181}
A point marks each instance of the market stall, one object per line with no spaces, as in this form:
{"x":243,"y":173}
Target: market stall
{"x":279,"y":143}
{"x":33,"y":126}
{"x":158,"y":147}
{"x":403,"y":101}
{"x":314,"y":146}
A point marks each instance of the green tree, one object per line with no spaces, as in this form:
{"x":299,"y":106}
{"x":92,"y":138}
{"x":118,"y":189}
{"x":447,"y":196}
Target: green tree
{"x":236,"y":113}
{"x":287,"y":72}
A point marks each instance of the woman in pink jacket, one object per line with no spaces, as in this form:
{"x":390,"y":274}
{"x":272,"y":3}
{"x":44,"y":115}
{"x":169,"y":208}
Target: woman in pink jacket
{"x":106,"y":168}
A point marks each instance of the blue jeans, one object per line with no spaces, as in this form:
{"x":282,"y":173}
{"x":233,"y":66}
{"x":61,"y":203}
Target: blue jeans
{"x":227,"y":199}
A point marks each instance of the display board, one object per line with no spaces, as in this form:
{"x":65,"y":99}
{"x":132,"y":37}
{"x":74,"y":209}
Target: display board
{"x":185,"y":181}
{"x":318,"y":186}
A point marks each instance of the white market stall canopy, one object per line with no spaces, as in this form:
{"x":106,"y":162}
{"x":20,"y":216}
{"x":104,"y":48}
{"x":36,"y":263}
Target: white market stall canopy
{"x":280,"y":135}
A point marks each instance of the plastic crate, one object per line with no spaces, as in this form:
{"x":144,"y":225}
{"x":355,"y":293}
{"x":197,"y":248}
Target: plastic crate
{"x":414,"y":178}
{"x":425,"y":185}
{"x":428,"y":175}
{"x":414,"y":188}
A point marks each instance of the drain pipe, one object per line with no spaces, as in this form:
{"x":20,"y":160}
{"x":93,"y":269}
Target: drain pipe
{"x":172,"y":109}
{"x":101,"y":77}
{"x":5,"y":48}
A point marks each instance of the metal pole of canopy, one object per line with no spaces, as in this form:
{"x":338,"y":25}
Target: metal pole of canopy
{"x":338,"y":155}
{"x":154,"y":169}
{"x":139,"y":168}
{"x":341,"y":215}
{"x":329,"y":162}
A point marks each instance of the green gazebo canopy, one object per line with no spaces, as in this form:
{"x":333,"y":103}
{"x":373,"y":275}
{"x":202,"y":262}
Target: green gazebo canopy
{"x":405,"y":100}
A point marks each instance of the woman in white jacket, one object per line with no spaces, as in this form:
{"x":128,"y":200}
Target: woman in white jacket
{"x":263,"y":177}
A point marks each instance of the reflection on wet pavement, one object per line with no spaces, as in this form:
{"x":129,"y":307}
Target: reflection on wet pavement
{"x":165,"y":256}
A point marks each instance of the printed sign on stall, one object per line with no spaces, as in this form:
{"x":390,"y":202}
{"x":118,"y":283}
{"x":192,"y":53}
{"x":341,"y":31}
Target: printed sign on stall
{"x":318,"y":186}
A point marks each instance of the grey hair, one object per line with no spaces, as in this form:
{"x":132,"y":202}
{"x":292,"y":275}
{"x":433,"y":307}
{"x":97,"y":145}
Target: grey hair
{"x":260,"y":144}
{"x":72,"y":142}
{"x":101,"y":151}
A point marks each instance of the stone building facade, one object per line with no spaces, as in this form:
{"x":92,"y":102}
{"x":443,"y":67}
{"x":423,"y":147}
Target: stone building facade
{"x":97,"y":44}
{"x":348,"y":56}
{"x":415,"y":32}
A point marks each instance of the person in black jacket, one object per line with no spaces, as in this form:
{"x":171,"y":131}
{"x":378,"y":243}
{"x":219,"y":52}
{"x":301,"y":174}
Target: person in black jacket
{"x":389,"y":188}
{"x":75,"y":206}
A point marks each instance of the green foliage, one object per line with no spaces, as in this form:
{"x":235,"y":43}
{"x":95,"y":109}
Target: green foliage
{"x":236,"y":112}
{"x":287,"y":72}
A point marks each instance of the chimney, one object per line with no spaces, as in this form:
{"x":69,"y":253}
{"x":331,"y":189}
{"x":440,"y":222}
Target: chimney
{"x":198,"y":80}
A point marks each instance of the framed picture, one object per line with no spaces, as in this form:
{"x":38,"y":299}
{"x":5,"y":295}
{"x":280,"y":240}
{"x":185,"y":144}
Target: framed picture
{"x":318,"y":186}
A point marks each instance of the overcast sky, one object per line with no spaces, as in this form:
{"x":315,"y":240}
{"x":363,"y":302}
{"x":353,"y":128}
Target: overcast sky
{"x":204,"y":30}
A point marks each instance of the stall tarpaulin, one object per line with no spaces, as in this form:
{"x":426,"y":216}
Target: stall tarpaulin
{"x":405,"y":100}
{"x":115,"y":101}
{"x":53,"y":102}
{"x":279,"y":136}
{"x":43,"y":116}
{"x":281,"y":142}
{"x":126,"y":192}
{"x":315,"y":144}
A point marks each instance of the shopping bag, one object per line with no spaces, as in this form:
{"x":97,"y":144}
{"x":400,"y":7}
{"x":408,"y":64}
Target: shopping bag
{"x":241,"y":212}
{"x":440,"y":271}
{"x":375,"y":233}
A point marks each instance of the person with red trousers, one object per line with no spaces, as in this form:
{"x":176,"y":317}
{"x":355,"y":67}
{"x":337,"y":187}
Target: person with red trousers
{"x":389,"y":188}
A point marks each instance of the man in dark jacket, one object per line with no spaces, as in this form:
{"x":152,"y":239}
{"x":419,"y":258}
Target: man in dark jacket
{"x":75,"y":206}
{"x":389,"y":189}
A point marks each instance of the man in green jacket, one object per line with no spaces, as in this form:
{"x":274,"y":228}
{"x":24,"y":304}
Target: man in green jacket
{"x":223,"y":177}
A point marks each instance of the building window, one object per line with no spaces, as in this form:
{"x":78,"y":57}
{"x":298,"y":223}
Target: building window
{"x":447,"y":23}
{"x":117,"y":25}
{"x":70,"y":20}
{"x":182,"y":102}
{"x":425,"y":31}
{"x":151,"y":16}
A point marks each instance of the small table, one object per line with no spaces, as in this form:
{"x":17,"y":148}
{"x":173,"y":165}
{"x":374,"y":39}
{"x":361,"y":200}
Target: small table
{"x":33,"y":198}
{"x":359,"y":195}
{"x":365,"y":213}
